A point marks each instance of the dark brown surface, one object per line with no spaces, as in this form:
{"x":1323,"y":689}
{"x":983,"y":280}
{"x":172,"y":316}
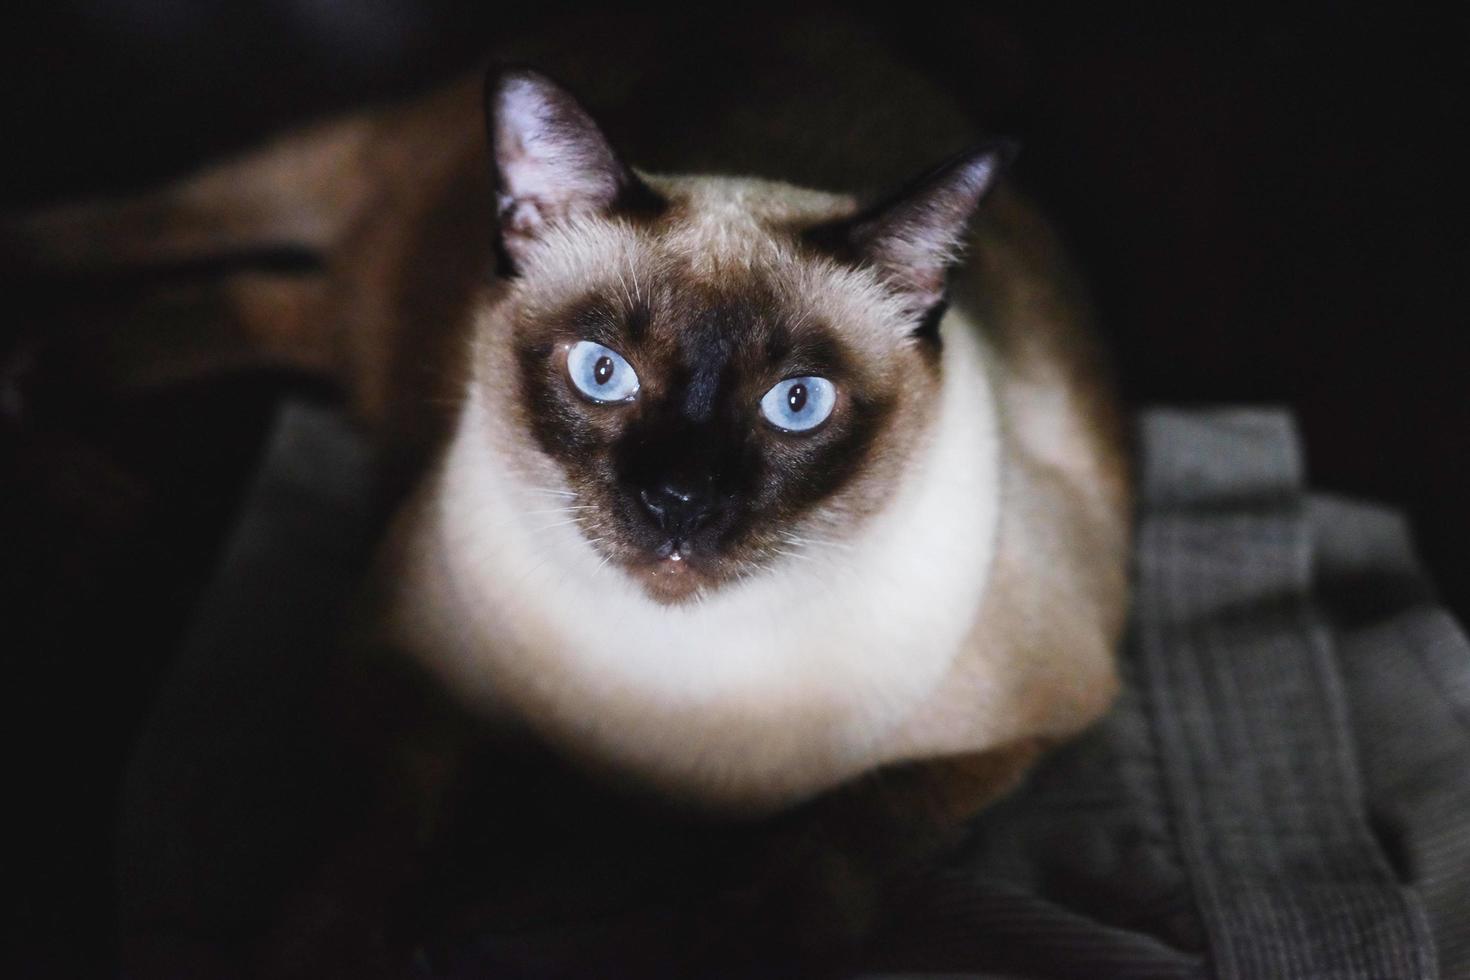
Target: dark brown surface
{"x":1270,"y":209}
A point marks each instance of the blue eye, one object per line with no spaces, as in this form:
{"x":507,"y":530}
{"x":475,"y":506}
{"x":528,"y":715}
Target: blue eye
{"x":601,"y":373}
{"x":799,"y":404}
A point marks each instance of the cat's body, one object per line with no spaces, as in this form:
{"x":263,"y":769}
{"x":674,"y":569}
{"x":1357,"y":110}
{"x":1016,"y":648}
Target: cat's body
{"x":979,"y":605}
{"x":941,"y":609}
{"x":957,"y":589}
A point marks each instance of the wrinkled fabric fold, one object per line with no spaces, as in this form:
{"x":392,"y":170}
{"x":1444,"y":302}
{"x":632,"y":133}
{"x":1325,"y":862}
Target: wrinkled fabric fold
{"x":1282,"y":790}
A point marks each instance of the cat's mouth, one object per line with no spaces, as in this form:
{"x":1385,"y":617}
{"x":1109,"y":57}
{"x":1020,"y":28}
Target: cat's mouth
{"x":675,"y":573}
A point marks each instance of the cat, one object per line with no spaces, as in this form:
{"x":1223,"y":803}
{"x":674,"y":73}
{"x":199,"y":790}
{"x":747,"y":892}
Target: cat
{"x":792,"y":505}
{"x":738,"y":503}
{"x":748,"y":499}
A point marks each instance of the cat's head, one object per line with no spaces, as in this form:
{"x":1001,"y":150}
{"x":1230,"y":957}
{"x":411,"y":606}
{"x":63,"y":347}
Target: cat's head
{"x":707,"y":376}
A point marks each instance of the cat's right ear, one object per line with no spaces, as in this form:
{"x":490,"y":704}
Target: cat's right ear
{"x":550,"y":161}
{"x":913,"y":237}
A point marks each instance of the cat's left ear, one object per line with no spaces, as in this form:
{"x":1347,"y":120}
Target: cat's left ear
{"x":913,"y":237}
{"x":550,"y":160}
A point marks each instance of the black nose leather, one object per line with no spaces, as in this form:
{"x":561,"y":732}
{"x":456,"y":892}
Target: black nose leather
{"x":676,"y":509}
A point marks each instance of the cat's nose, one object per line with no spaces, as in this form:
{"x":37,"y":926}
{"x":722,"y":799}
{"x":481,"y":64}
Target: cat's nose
{"x":679,"y":509}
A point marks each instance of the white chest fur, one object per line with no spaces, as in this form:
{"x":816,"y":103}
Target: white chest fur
{"x":781,"y":685}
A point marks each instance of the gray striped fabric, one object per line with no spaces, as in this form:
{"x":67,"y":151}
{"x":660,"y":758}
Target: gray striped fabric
{"x":1249,"y":709}
{"x":1407,"y":667}
{"x":1283,"y":790}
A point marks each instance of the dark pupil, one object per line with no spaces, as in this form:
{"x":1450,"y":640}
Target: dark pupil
{"x":796,"y":398}
{"x":602,"y":371}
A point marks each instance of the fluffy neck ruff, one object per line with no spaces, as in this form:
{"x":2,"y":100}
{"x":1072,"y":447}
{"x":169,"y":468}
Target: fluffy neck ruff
{"x":765,"y":691}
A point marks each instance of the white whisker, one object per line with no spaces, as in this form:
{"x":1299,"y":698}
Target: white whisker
{"x":627,"y":296}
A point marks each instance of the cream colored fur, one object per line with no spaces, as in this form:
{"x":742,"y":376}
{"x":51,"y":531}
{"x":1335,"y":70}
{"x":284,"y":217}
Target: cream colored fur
{"x":955,"y":618}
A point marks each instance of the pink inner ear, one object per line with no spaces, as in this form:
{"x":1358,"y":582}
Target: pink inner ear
{"x":915,"y":239}
{"x":915,"y":257}
{"x":552,"y":160}
{"x":519,"y":217}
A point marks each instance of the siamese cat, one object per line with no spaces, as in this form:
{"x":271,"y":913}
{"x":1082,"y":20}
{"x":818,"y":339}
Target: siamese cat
{"x":781,"y":502}
{"x":745,"y":498}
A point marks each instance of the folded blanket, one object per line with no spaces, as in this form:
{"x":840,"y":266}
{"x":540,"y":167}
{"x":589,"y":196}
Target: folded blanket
{"x":1283,"y":790}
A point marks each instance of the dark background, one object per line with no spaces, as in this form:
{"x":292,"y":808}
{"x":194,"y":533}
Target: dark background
{"x":1270,"y":208}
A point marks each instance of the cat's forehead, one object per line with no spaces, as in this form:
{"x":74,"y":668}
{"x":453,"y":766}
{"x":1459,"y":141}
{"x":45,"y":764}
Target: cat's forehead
{"x":726,"y":247}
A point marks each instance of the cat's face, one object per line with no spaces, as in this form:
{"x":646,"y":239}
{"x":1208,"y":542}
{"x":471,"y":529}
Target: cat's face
{"x":708,"y":377}
{"x":710,"y":418}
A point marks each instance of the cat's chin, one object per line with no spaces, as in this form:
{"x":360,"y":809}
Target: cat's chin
{"x":675,"y":580}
